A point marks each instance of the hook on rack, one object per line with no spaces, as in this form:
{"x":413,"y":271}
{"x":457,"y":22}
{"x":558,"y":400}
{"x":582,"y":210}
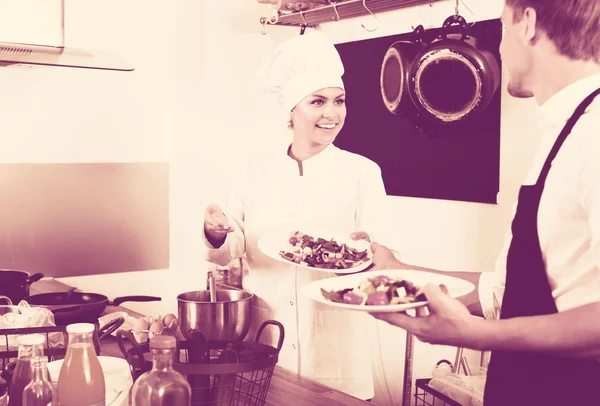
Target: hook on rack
{"x":470,"y":11}
{"x":374,"y":16}
{"x":337,"y":15}
{"x":263,"y":22}
{"x":270,"y":20}
{"x":302,"y":29}
{"x":423,"y":22}
{"x":303,"y":19}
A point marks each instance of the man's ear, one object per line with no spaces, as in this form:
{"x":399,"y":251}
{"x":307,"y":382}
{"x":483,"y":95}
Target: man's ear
{"x":528,"y":22}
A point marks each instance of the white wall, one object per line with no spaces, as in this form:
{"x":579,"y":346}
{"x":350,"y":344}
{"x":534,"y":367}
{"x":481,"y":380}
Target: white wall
{"x":193,"y":101}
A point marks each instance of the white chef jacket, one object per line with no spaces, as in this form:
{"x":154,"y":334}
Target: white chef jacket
{"x":340,"y":191}
{"x":569,"y":212}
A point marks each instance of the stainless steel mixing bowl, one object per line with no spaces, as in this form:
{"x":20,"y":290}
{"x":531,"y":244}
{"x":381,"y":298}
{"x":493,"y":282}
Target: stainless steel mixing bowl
{"x":228,"y":318}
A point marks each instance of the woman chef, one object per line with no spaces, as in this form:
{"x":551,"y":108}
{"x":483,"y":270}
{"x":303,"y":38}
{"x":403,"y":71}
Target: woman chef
{"x":311,"y":183}
{"x":546,"y":345}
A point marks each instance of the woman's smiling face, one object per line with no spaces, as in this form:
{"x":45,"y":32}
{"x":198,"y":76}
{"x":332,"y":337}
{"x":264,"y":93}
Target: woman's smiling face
{"x":319,"y":117}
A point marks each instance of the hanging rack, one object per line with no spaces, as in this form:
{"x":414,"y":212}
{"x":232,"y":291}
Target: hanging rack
{"x":341,"y":10}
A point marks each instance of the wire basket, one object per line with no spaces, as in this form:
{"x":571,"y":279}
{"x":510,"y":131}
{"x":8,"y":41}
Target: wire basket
{"x":9,"y":352}
{"x":426,"y":396}
{"x":218,"y":381}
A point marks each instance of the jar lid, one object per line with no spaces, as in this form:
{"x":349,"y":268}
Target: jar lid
{"x":31,"y":339}
{"x":80,"y":328}
{"x":162,"y":342}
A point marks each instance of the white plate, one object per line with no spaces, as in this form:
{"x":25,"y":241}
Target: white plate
{"x":456,"y":288}
{"x":278,"y":240}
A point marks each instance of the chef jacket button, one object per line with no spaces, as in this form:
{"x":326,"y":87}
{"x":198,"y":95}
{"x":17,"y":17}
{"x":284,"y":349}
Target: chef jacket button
{"x":294,"y":346}
{"x":291,"y":303}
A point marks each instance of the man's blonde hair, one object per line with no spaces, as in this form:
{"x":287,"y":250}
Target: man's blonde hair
{"x":572,"y":25}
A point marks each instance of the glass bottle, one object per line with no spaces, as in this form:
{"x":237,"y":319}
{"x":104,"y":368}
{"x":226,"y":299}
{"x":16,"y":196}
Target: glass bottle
{"x":162,"y":386}
{"x":30,"y":346}
{"x":3,"y":392}
{"x":81,"y":380}
{"x":39,"y":392}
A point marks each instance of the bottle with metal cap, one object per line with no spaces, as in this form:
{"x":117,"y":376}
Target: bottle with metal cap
{"x":161,"y":386}
{"x":81,"y":380}
{"x":30,"y":346}
{"x":39,"y":392}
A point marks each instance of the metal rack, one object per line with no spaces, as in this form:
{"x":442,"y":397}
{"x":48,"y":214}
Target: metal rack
{"x":339,"y":10}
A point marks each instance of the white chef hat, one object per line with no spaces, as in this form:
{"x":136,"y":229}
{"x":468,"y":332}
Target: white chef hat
{"x":301,"y":66}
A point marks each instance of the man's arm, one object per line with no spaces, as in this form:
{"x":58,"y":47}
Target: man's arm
{"x":572,"y":333}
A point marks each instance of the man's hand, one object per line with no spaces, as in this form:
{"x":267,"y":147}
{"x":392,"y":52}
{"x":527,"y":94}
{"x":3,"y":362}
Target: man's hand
{"x":449,"y":322}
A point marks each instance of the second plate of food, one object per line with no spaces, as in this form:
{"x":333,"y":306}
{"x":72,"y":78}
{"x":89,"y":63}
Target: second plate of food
{"x":390,"y":290}
{"x":317,"y":249}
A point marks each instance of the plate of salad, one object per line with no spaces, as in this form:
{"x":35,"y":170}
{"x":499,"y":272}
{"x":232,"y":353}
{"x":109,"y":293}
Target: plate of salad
{"x":390,"y":290}
{"x":321,"y":250}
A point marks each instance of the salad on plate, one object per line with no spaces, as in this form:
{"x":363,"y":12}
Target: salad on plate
{"x":380,"y":290}
{"x":322,"y":253}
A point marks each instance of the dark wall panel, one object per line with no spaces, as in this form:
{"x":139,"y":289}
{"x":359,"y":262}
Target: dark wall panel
{"x":451,"y":162}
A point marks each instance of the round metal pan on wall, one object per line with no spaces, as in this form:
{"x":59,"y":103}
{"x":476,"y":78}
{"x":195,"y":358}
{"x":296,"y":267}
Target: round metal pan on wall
{"x":395,"y":73}
{"x":451,"y":80}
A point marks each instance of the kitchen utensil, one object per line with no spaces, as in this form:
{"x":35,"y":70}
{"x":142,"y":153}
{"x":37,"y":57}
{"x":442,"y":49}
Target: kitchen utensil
{"x":456,"y":288}
{"x":212,"y":287}
{"x":226,"y":319}
{"x":252,"y":372}
{"x":91,"y":305}
{"x":15,"y":284}
{"x":395,"y":73}
{"x":198,"y":353}
{"x":11,"y":308}
{"x":277,"y":240}
{"x":451,"y":79}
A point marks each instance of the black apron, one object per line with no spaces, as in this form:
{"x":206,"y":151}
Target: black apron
{"x":529,"y":378}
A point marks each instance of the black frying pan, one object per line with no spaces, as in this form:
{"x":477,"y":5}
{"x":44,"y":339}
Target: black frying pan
{"x":395,"y":73}
{"x":91,"y":305}
{"x":452,"y":79}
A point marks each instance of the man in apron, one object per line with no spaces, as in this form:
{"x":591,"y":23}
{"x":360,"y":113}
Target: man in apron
{"x":546,"y":344}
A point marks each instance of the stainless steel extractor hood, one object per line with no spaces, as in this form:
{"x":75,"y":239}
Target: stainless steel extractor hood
{"x":33,"y":54}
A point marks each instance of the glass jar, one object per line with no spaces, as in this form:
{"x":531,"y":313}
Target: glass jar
{"x":3,"y":392}
{"x":39,"y":392}
{"x":161,"y":386}
{"x":81,"y":380}
{"x":30,"y":346}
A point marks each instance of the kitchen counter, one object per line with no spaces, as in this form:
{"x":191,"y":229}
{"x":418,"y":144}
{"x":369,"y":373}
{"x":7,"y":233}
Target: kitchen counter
{"x":287,"y":389}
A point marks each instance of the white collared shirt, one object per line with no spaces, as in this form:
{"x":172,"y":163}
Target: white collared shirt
{"x":339,"y":191}
{"x":569,"y":212}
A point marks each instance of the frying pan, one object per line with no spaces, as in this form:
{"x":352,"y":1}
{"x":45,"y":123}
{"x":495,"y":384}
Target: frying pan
{"x":452,"y":79}
{"x":91,"y":305}
{"x":395,"y":73}
{"x":15,"y":284}
{"x":9,"y":307}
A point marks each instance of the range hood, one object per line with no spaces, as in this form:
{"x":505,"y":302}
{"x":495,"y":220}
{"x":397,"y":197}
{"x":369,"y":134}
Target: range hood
{"x":33,"y":54}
